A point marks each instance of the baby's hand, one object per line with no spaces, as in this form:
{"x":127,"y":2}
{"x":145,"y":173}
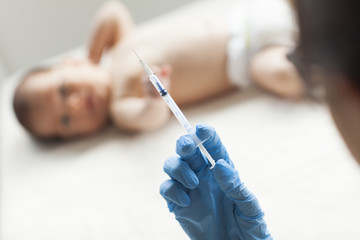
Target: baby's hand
{"x":163,"y":73}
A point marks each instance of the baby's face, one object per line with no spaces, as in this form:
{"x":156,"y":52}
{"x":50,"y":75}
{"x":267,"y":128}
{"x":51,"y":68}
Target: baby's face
{"x":69,"y":100}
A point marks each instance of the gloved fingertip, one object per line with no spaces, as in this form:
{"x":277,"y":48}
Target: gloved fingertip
{"x":180,"y":171}
{"x":192,"y":181}
{"x":229,"y":182}
{"x":204,"y":131}
{"x":163,"y":187}
{"x":181,"y":199}
{"x":171,"y":206}
{"x":221,"y":166}
{"x":226,"y":176}
{"x":222,"y":162}
{"x":172,"y":191}
{"x":185,"y":146}
{"x":222,"y":171}
{"x":185,"y":201}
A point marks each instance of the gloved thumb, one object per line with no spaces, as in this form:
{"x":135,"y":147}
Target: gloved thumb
{"x":229,"y":181}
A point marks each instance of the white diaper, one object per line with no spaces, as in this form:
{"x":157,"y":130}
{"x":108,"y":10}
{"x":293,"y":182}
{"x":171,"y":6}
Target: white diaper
{"x":254,"y":25}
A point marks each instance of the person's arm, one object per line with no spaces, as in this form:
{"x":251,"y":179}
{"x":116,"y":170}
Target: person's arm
{"x":112,"y":22}
{"x":271,"y":70}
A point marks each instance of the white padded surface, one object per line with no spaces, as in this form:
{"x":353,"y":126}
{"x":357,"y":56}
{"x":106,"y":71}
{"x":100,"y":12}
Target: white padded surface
{"x":106,"y":186}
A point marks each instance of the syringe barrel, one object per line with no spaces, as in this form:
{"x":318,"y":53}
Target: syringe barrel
{"x":186,"y":125}
{"x":180,"y":116}
{"x":157,"y":84}
{"x":171,"y":103}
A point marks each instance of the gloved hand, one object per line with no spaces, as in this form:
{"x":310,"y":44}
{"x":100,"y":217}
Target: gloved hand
{"x":210,"y":203}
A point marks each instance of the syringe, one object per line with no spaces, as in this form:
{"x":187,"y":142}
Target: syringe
{"x":175,"y":109}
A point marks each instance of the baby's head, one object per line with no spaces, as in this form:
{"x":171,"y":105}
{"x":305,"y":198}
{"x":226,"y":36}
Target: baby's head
{"x":65,"y":101}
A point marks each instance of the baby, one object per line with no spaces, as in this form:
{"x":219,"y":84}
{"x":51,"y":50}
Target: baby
{"x":205,"y":50}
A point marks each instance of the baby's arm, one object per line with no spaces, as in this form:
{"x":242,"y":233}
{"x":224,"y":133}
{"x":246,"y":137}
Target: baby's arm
{"x":112,"y":22}
{"x":139,"y":114}
{"x":271,"y":70}
{"x":142,"y":113}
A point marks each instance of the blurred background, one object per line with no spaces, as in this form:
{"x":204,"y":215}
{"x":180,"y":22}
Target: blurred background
{"x":107,"y":187}
{"x":33,"y":30}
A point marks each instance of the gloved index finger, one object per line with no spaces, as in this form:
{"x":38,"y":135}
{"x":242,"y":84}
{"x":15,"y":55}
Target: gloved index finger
{"x":189,"y":152}
{"x":212,"y":142}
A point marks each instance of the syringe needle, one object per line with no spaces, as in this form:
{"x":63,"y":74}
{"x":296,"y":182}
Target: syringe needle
{"x":146,"y":68}
{"x":175,"y":109}
{"x":136,"y":55}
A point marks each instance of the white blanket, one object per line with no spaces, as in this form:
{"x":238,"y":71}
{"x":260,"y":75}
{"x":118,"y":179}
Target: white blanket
{"x":107,"y":186}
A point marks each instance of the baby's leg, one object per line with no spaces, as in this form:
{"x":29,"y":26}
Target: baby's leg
{"x":271,"y":70}
{"x":112,"y":22}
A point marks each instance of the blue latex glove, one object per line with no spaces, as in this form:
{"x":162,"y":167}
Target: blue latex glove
{"x":210,"y":203}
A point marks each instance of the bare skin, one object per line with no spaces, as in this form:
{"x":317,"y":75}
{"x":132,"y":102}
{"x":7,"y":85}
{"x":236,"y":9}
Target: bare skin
{"x":198,"y":62}
{"x":198,"y":65}
{"x":344,"y":103}
{"x":187,"y":49}
{"x":67,"y":100}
